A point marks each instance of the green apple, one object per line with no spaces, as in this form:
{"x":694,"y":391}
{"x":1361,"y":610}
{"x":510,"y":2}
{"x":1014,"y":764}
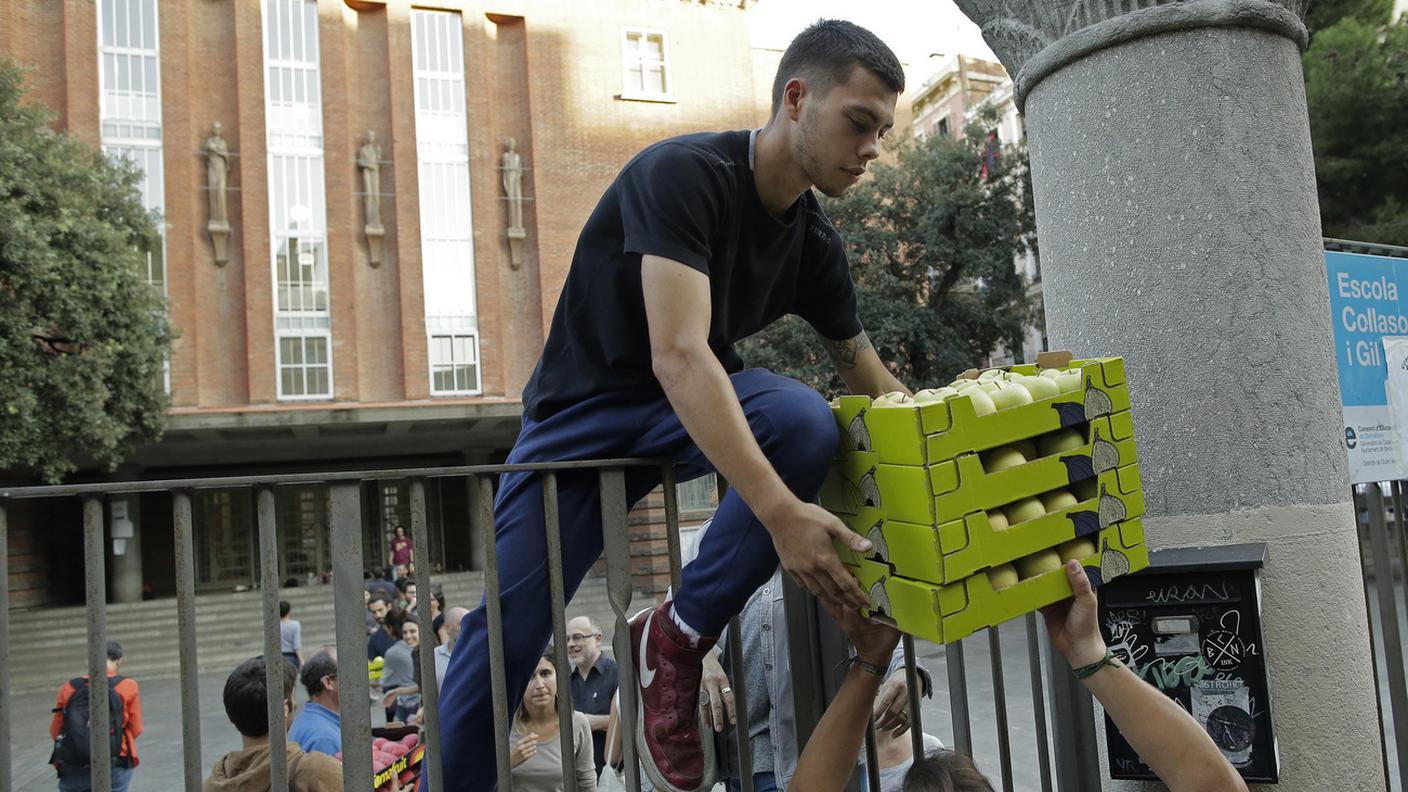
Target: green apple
{"x":982,"y":403}
{"x":1086,"y":490}
{"x":893,"y":398}
{"x":1069,"y":382}
{"x":1050,"y":373}
{"x":1059,"y":442}
{"x":1002,"y":576}
{"x":929,"y":395}
{"x":988,"y":386}
{"x":1027,"y":447}
{"x":1057,"y":500}
{"x":962,"y":384}
{"x":1039,"y":387}
{"x":1023,"y":510}
{"x":1079,"y":549}
{"x":1039,"y":563}
{"x":992,"y":374}
{"x":997,"y":520}
{"x":1002,"y":458}
{"x":1007,"y":395}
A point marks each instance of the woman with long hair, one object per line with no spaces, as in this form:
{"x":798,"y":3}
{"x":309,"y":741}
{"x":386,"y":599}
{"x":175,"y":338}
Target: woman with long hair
{"x":536,"y":757}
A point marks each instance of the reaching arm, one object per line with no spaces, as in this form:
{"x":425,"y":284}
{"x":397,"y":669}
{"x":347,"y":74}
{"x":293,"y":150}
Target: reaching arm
{"x":860,"y":367}
{"x":1166,"y":737}
{"x":678,"y":313}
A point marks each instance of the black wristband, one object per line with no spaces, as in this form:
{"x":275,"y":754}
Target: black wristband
{"x":1087,"y":671}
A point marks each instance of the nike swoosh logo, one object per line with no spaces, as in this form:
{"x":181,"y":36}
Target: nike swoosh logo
{"x":647,"y":674}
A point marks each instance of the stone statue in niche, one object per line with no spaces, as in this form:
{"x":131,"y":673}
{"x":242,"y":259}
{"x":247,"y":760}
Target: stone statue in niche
{"x":217,"y":170}
{"x":369,"y":163}
{"x":511,"y":164}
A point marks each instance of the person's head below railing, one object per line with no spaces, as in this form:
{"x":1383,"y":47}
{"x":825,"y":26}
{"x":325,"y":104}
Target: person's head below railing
{"x":536,"y":756}
{"x":1166,"y":737}
{"x":247,"y":769}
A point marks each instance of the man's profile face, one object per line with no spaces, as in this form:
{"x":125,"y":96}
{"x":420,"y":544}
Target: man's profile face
{"x":840,"y":129}
{"x":378,"y":608}
{"x":583,"y":643}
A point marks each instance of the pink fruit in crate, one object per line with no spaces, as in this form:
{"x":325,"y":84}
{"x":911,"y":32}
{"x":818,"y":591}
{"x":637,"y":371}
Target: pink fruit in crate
{"x":411,"y":740}
{"x":379,"y":742}
{"x":396,"y":749}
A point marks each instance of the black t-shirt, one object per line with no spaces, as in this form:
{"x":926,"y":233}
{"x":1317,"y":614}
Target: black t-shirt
{"x":691,"y":199}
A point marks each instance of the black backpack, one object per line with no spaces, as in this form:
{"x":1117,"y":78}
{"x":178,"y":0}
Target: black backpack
{"x":71,"y":749}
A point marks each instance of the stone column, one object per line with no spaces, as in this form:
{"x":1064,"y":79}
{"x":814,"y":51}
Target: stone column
{"x":1178,"y":226}
{"x":125,"y":546}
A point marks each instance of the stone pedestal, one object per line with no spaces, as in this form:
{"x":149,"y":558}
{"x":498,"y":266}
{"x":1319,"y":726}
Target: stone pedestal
{"x":219,"y":240}
{"x":376,"y":237}
{"x":1178,"y":226}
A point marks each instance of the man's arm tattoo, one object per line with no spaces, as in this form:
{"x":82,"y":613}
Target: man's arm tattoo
{"x":845,"y":353}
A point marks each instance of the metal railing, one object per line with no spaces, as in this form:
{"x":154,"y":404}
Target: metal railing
{"x":1381,"y":526}
{"x":1066,"y":753}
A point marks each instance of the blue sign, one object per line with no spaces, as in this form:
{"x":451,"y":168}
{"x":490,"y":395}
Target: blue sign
{"x":1368,"y":302}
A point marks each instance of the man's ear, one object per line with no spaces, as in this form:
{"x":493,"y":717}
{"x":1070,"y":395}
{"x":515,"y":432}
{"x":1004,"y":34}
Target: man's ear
{"x":792,"y":94}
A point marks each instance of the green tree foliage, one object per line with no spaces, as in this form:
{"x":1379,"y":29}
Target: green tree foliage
{"x":83,"y":336}
{"x":932,"y":243}
{"x":1356,"y":83}
{"x":1325,"y":13}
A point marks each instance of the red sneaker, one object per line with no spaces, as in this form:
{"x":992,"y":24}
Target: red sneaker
{"x":676,"y":754}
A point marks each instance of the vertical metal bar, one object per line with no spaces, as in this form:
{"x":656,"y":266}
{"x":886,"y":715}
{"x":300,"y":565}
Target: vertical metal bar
{"x":429,"y":687}
{"x":872,"y":757}
{"x":353,"y":688}
{"x":1388,"y":625}
{"x":999,"y":700}
{"x":4,"y":654}
{"x":672,"y":523}
{"x":740,"y":701}
{"x":1043,"y":749}
{"x":558,"y":604}
{"x":186,"y":639}
{"x":482,"y":523}
{"x":273,"y":657}
{"x":1361,"y":531}
{"x":95,"y":594}
{"x":912,"y":682}
{"x":804,"y":654}
{"x":1077,"y":757}
{"x":617,"y":542}
{"x":958,"y":697}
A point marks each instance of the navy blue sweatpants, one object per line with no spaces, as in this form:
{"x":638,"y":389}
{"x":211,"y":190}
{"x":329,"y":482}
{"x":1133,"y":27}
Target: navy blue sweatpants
{"x":796,"y":431}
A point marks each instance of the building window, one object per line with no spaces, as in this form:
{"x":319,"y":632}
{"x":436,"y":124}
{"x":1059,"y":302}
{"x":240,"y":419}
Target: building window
{"x":645,"y":64}
{"x":454,"y":364}
{"x":941,"y":128}
{"x":129,"y":87}
{"x":446,"y":221}
{"x":697,"y":495}
{"x":293,"y":120}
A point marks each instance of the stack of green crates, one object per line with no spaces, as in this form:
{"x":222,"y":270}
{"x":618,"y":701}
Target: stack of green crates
{"x":912,"y":479}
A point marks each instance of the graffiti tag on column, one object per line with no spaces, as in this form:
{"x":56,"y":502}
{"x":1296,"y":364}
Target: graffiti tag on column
{"x":1225,"y":649}
{"x":1166,"y":674}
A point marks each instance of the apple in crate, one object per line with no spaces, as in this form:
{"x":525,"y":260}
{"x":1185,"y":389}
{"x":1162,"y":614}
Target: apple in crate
{"x":1038,"y":563}
{"x":1023,"y":510}
{"x":1002,"y":458}
{"x":1040,"y":387}
{"x":1057,"y":500}
{"x":1002,"y":576}
{"x":893,"y":398}
{"x":1069,"y":381}
{"x":982,"y":403}
{"x":1007,"y":395}
{"x":1079,"y":549}
{"x":1050,"y":373}
{"x":997,"y":520}
{"x":1059,"y":442}
{"x":411,"y":740}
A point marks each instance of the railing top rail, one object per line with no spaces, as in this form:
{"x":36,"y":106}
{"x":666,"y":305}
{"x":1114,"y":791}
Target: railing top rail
{"x":278,"y":479}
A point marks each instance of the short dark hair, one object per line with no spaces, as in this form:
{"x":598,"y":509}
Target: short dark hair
{"x":827,"y":51}
{"x":318,"y":666}
{"x":945,"y":771}
{"x":114,"y":650}
{"x":284,"y":608}
{"x":247,"y":696}
{"x":378,"y":598}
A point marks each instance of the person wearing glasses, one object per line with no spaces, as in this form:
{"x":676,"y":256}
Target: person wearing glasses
{"x":318,"y":728}
{"x":593,"y":680}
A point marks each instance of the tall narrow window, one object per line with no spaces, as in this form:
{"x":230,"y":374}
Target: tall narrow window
{"x":129,"y":90}
{"x":646,"y":64}
{"x":446,"y":226}
{"x":293,"y":120}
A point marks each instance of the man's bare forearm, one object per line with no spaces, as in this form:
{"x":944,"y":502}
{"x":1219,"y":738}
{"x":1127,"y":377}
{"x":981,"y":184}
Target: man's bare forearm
{"x":704,"y":399}
{"x":860,"y":367}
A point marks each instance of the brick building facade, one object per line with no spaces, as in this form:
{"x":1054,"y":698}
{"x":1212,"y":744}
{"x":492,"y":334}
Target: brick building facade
{"x":303,"y":348}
